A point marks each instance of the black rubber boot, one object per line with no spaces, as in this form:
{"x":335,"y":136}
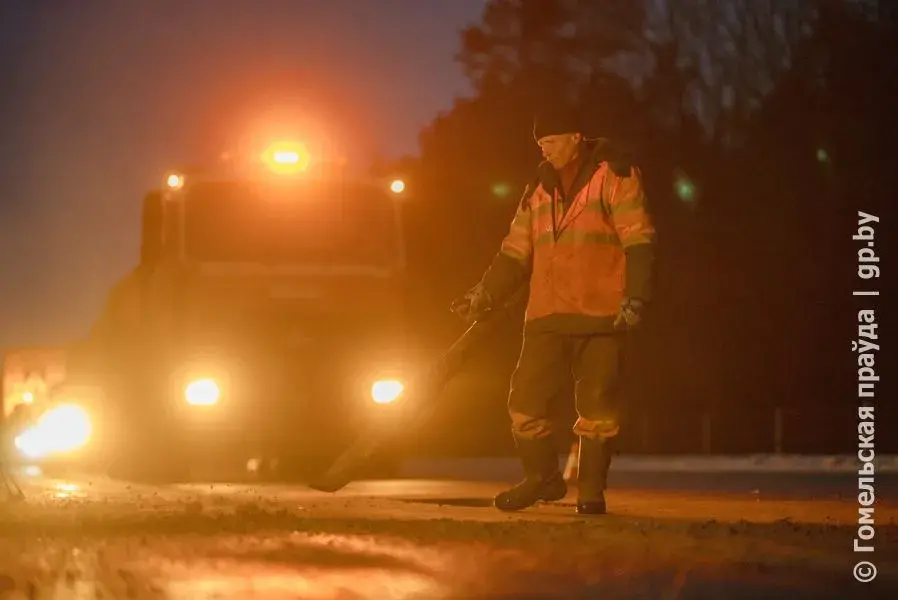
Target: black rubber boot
{"x":592,"y":475}
{"x":543,"y":481}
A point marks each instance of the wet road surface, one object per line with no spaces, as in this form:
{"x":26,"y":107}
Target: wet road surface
{"x":417,"y":539}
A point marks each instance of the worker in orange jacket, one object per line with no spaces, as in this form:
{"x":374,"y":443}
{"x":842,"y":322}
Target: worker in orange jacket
{"x":583,"y":238}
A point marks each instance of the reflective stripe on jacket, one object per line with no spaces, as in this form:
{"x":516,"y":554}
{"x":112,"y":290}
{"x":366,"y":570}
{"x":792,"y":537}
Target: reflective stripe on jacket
{"x":577,"y":258}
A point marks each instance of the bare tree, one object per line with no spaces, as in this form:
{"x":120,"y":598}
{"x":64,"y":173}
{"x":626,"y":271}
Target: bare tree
{"x":730,"y":53}
{"x":714,"y":59}
{"x":522,"y":43}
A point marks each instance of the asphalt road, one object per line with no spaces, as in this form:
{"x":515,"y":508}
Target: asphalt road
{"x":429,"y":540}
{"x":809,"y":485}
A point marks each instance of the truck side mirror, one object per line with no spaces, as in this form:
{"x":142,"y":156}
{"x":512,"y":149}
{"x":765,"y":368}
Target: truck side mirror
{"x":151,"y":230}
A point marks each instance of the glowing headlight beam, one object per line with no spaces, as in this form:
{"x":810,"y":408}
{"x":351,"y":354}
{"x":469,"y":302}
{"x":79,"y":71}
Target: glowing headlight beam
{"x":386,"y":391}
{"x":202,"y":392}
{"x":64,"y":428}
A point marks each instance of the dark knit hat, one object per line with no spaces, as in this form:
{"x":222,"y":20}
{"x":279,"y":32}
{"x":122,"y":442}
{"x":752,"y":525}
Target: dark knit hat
{"x":556,"y":120}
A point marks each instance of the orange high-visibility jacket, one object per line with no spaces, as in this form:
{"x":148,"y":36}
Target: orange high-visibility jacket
{"x":583,"y":253}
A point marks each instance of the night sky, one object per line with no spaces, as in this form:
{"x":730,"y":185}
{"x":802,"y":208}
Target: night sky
{"x":97,"y":102}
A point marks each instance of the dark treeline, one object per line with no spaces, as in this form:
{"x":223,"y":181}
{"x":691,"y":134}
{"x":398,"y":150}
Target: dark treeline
{"x":761,"y":128}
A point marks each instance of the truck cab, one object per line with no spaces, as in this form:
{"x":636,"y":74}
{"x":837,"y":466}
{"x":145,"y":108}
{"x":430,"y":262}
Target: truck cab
{"x":264,"y":324}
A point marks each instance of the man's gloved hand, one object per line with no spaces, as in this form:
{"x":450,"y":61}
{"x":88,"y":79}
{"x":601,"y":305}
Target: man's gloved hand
{"x":473,"y":305}
{"x":630,"y":314}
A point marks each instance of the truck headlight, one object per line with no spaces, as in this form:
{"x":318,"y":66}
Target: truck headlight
{"x":386,"y":391}
{"x":202,"y":392}
{"x":61,"y":429}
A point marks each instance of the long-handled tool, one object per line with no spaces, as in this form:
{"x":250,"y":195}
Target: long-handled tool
{"x":418,"y":402}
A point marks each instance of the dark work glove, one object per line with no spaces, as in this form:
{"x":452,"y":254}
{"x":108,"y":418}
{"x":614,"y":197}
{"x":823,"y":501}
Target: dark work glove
{"x":474,"y":305}
{"x":630,"y":314}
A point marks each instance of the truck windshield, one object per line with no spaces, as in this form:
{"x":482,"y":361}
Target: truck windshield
{"x":341,"y":224}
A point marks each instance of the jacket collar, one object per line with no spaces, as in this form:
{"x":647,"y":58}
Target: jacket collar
{"x":591,"y":156}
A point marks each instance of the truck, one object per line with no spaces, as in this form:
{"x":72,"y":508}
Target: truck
{"x":262,"y":327}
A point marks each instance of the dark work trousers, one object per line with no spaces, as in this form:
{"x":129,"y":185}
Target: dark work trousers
{"x":547,"y":363}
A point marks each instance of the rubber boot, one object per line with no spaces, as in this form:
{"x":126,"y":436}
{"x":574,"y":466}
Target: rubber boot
{"x":543,"y":480}
{"x":592,"y":476}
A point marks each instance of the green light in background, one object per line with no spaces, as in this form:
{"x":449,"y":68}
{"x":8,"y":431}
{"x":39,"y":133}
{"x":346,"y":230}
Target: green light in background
{"x":684,"y":188}
{"x":501,"y":189}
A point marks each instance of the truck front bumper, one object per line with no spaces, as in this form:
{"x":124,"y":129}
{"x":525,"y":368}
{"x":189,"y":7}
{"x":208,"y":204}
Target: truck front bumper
{"x":220,"y":417}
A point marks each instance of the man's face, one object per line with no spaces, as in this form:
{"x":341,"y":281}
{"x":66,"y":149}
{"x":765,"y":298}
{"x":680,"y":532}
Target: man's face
{"x":559,"y":149}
